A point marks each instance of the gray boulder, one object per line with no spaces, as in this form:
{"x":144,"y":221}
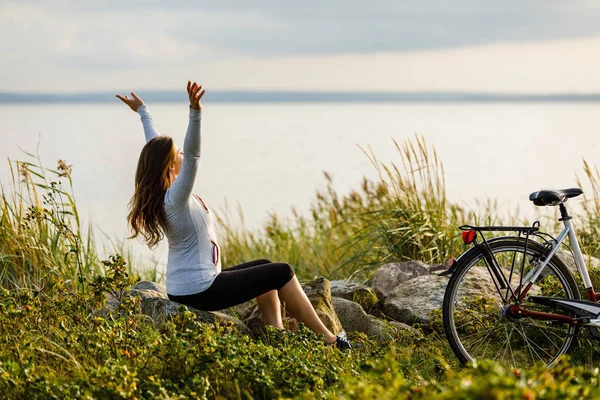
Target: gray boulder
{"x":355,"y":319}
{"x":160,"y":309}
{"x":361,"y":294}
{"x":414,"y":300}
{"x":155,"y":304}
{"x":143,"y":290}
{"x":152,"y":287}
{"x":389,"y":276}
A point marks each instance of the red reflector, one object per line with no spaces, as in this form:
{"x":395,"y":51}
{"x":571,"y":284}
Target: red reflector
{"x":468,"y":237}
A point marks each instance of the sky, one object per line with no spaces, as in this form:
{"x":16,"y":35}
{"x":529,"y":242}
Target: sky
{"x":516,"y":46}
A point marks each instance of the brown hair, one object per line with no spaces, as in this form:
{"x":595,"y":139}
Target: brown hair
{"x":152,"y":179}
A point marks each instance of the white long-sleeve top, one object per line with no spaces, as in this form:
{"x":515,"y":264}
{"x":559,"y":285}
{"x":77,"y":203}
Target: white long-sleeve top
{"x":194,"y":254}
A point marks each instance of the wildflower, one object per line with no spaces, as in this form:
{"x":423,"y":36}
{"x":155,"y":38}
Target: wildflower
{"x":24,"y":171}
{"x":65,"y":170}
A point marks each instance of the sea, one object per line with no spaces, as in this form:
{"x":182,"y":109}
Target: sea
{"x":263,"y":158}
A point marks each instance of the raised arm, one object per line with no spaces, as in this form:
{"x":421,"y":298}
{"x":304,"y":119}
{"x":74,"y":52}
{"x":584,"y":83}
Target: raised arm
{"x":137,"y":104}
{"x":182,"y":187}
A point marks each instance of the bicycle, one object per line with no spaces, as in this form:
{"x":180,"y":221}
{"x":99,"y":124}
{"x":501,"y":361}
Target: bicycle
{"x":513,"y":299}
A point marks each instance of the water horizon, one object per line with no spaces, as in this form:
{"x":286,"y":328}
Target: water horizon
{"x":287,"y":96}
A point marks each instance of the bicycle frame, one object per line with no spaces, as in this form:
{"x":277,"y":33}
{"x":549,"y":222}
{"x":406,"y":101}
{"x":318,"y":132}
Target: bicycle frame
{"x":525,"y":284}
{"x":578,"y":256}
{"x":579,"y":262}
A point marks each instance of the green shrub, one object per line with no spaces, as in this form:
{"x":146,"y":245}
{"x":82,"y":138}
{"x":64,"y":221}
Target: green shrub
{"x":59,"y":339}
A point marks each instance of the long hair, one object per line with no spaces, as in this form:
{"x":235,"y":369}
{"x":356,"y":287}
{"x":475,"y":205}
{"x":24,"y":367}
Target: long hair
{"x":152,"y":179}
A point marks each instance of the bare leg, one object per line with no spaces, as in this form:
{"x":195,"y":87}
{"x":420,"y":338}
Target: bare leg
{"x":270,"y":308}
{"x":298,"y":305}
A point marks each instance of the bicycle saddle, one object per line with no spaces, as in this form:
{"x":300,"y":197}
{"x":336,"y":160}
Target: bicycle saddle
{"x":553,"y":197}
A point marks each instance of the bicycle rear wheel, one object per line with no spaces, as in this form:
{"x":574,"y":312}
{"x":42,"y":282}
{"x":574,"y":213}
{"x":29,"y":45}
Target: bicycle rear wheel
{"x":475,"y":314}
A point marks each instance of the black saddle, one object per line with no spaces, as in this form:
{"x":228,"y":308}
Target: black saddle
{"x":553,"y":197}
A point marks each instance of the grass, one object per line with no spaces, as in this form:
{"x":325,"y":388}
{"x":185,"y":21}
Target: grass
{"x":403,"y":214}
{"x":41,"y":231}
{"x":58,"y":340}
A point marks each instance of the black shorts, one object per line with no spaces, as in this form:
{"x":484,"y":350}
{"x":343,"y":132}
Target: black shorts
{"x":236,"y":285}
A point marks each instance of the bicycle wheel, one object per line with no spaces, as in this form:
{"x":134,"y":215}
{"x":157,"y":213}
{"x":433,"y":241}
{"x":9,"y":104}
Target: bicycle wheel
{"x":475,"y":314}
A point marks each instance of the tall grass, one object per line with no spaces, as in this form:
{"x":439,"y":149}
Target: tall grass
{"x":40,"y":228}
{"x":41,"y":231}
{"x":402,"y":214}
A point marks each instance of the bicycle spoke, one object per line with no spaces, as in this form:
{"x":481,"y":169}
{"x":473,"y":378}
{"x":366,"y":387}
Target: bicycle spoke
{"x":528,"y":347}
{"x":479,"y":333}
{"x":511,"y":352}
{"x":507,"y":343}
{"x":524,"y":335}
{"x":480,"y":325}
{"x":460,"y":327}
{"x":492,"y":329}
{"x":548,"y":329}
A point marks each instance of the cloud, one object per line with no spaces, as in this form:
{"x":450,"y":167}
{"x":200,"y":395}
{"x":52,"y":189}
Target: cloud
{"x":67,"y":45}
{"x":274,"y":28}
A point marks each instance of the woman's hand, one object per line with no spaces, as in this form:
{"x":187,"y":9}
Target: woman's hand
{"x":195,"y":93}
{"x":134,"y":102}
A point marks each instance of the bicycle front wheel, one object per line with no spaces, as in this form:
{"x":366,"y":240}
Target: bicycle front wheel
{"x":475,"y":315}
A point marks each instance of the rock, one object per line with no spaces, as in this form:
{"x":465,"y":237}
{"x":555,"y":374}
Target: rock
{"x":388,"y":276}
{"x":146,"y":294}
{"x":437,"y":268}
{"x":361,"y":294}
{"x":255,"y":322}
{"x":567,"y":258}
{"x":355,"y":319}
{"x":160,"y":309}
{"x":414,"y":300}
{"x":155,"y":303}
{"x":152,"y":287}
{"x":143,"y":289}
{"x":319,"y":294}
{"x":240,"y":311}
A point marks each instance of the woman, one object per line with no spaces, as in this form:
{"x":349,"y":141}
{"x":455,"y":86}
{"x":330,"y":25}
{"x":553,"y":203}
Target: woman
{"x":163,"y":205}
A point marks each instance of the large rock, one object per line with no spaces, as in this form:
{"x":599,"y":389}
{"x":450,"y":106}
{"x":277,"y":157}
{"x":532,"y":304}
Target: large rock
{"x":567,"y":258}
{"x":355,"y":319}
{"x":160,"y":309}
{"x":241,"y":311}
{"x":319,"y":294}
{"x":389,"y":276}
{"x":152,"y":288}
{"x":255,"y":322}
{"x":156,"y":304}
{"x":414,"y":300}
{"x":143,"y":290}
{"x":361,"y":294}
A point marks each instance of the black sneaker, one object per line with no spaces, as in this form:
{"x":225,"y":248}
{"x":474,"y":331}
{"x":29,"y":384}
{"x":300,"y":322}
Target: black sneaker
{"x":341,"y":342}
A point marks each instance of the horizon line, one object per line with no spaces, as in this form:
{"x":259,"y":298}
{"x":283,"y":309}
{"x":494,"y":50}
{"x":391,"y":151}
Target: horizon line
{"x":258,"y":96}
